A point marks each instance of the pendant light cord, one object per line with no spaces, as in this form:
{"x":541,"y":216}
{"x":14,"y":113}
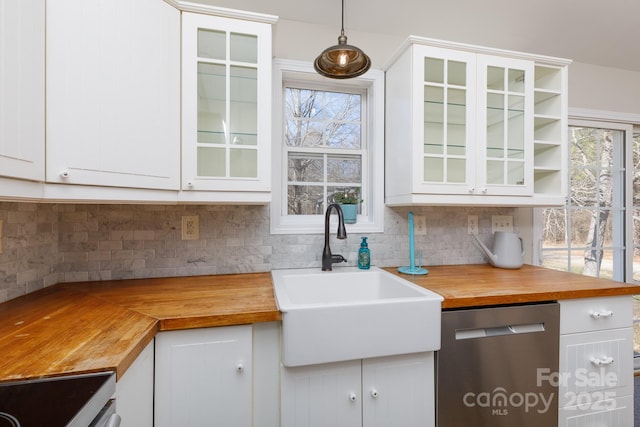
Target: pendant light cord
{"x":342,"y":27}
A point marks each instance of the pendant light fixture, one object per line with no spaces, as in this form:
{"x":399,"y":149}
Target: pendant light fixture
{"x":342,"y":61}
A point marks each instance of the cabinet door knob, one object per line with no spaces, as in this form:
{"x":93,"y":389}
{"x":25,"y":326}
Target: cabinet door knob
{"x":602,"y":314}
{"x":485,"y":190}
{"x":374,"y":393}
{"x":64,"y":174}
{"x":472,"y":190}
{"x":240,"y":367}
{"x":190,"y":184}
{"x":353,"y":397}
{"x":602,"y":361}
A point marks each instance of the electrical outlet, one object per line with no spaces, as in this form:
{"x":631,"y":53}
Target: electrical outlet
{"x":472,"y":224}
{"x":501,"y":223}
{"x":420,"y":225}
{"x":190,"y":227}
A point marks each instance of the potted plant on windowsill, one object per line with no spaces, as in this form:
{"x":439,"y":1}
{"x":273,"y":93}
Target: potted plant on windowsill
{"x":348,"y":201}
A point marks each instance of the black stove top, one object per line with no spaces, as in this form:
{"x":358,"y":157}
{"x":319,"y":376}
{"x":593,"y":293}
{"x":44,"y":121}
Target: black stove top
{"x":54,"y":402}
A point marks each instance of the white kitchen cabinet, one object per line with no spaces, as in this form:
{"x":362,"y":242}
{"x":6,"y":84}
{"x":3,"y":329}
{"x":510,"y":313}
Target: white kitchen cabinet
{"x":204,"y":377}
{"x":461,"y":126}
{"x":134,"y":391}
{"x":22,"y":90}
{"x":226,"y":104}
{"x":596,"y":362}
{"x":387,"y":391}
{"x":113,"y":94}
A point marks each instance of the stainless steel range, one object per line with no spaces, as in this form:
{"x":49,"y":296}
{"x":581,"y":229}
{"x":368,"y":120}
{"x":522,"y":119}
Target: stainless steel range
{"x":74,"y":401}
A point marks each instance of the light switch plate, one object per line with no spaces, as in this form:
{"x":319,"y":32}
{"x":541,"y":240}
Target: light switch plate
{"x":502,"y":223}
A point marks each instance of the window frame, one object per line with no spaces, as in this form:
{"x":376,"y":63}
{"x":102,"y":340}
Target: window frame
{"x":371,"y":86}
{"x":626,"y":123}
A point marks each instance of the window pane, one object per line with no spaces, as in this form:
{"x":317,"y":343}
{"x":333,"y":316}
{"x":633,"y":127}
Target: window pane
{"x":327,"y":128}
{"x":300,"y":133}
{"x":305,"y":168}
{"x":315,"y":118}
{"x":343,"y":106}
{"x":344,"y":169}
{"x":584,"y":231}
{"x":343,"y":135}
{"x":305,"y":200}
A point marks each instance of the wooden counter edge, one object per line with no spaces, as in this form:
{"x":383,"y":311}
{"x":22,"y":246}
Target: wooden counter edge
{"x":133,"y":354}
{"x":174,"y":324}
{"x":523,"y":298}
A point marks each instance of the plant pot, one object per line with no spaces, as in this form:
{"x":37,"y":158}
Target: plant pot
{"x":350,"y":213}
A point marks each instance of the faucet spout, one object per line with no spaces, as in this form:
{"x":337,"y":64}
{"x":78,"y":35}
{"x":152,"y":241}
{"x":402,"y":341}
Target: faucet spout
{"x":327,"y":258}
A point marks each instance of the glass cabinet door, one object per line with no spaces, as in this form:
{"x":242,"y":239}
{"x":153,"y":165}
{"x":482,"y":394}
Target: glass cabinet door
{"x":227,"y":104}
{"x":507,"y":125}
{"x":447,"y":120}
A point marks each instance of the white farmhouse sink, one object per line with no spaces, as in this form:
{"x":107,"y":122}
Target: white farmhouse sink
{"x":347,"y":313}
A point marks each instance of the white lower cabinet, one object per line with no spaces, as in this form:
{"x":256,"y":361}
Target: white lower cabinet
{"x":203,"y":377}
{"x":388,"y":391}
{"x":596,"y":362}
{"x":223,"y":376}
{"x":134,"y":391}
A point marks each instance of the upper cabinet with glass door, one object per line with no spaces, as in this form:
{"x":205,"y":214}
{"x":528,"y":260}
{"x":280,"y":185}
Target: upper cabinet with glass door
{"x":226,"y":102}
{"x":460,"y":127}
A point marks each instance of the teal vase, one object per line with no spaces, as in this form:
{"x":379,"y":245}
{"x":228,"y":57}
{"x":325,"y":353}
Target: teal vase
{"x":350,"y":213}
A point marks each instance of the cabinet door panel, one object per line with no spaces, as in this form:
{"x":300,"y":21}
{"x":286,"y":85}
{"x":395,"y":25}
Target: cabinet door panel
{"x":113,"y":93}
{"x":22,"y":53}
{"x":443,"y":157}
{"x":611,"y":413}
{"x":226,"y":84}
{"x":595,"y":364}
{"x":203,"y":377}
{"x":134,"y":391}
{"x":322,"y":395}
{"x":505,"y":125}
{"x":398,"y":391}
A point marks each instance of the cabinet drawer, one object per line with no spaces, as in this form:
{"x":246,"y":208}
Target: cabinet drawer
{"x":595,"y":314}
{"x":608,"y":413}
{"x":595,"y":365}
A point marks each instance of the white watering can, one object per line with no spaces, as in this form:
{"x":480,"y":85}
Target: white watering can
{"x":508,"y":250}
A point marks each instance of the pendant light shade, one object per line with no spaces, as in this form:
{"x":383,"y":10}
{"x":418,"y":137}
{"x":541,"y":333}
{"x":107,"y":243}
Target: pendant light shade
{"x":342,"y":61}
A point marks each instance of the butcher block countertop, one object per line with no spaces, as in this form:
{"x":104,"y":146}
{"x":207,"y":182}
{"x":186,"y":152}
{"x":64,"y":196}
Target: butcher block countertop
{"x":482,"y":285}
{"x":101,"y":326}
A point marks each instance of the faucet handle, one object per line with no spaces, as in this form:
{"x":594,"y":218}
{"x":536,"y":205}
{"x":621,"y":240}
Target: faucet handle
{"x":337,"y":258}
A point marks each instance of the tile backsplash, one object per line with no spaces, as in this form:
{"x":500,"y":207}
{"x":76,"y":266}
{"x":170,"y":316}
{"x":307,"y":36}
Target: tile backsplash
{"x":44,"y":244}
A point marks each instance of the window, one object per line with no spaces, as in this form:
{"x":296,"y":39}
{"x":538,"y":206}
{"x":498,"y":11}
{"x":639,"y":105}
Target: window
{"x":328,"y":139}
{"x":597,"y":233}
{"x":324,"y":148}
{"x":587,"y":235}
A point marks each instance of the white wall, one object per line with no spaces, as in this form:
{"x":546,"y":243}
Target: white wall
{"x":590,"y":86}
{"x":606,"y":89}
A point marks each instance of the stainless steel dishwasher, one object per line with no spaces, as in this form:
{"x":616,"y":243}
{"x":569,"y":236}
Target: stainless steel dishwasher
{"x":498,"y":366}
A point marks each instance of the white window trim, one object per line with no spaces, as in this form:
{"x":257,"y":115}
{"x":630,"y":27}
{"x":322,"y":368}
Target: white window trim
{"x":373,"y":83}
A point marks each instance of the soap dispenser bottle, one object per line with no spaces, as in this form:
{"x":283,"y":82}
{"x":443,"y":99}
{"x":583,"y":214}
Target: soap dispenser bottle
{"x":364,"y":256}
